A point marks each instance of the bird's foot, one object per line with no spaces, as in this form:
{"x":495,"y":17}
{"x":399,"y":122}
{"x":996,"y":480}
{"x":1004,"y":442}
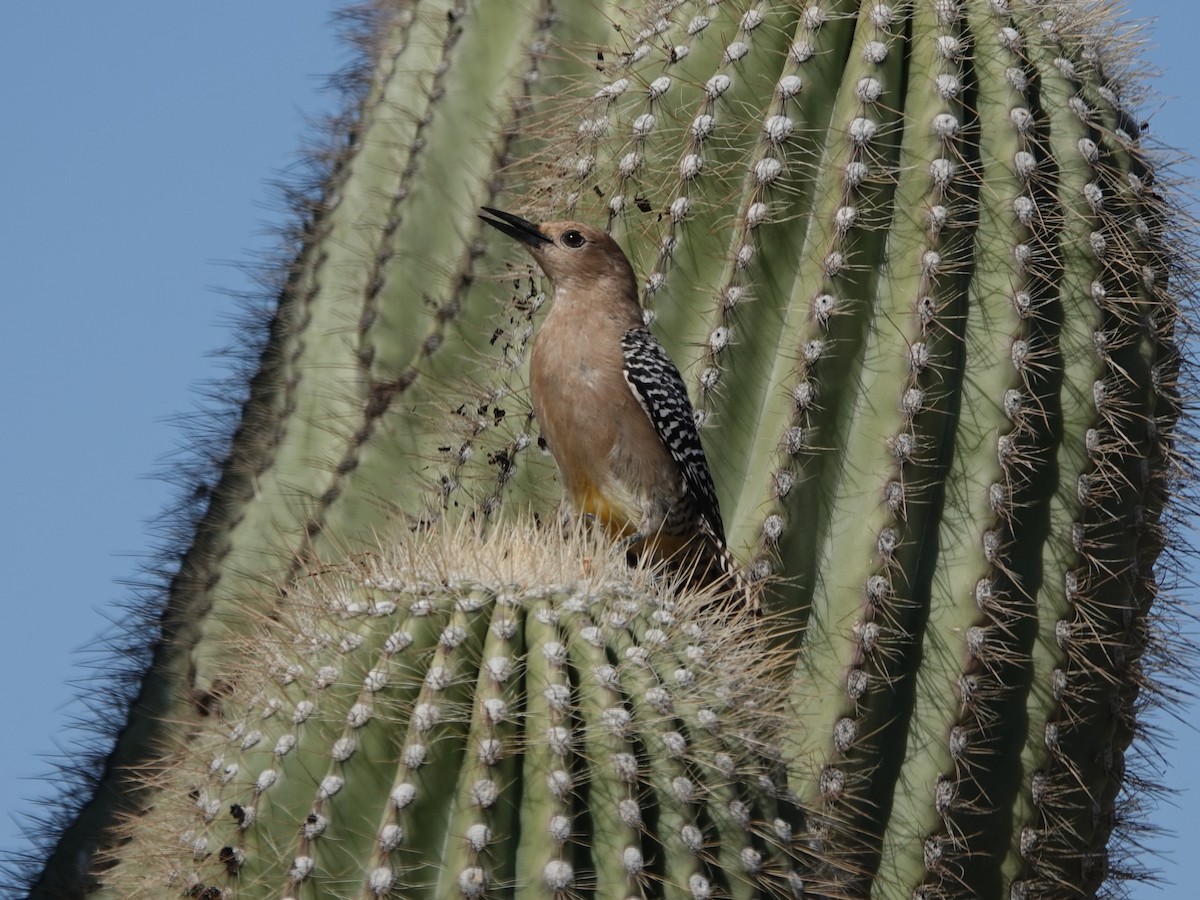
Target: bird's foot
{"x":630,"y":545}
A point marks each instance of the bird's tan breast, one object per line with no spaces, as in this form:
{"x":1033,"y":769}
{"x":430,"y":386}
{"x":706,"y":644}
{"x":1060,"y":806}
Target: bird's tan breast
{"x":608,"y":454}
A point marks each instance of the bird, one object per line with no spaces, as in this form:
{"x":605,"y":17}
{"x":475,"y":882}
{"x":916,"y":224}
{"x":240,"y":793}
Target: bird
{"x":613,"y":409}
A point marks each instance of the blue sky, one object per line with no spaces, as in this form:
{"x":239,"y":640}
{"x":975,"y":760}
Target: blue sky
{"x":139,"y":141}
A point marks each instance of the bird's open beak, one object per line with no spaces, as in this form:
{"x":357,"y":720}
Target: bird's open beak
{"x":515,"y":227}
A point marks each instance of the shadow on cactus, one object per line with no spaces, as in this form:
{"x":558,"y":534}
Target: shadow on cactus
{"x":928,"y":290}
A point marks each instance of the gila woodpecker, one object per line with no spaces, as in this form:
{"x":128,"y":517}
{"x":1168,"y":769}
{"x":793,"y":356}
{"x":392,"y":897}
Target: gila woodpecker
{"x":613,"y":408}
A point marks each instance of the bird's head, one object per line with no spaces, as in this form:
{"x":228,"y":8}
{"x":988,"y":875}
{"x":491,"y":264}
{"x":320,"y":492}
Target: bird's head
{"x":572,"y":255}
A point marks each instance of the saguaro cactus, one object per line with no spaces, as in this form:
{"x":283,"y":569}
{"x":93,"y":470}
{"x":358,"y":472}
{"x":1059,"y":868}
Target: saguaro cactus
{"x":927,"y":287}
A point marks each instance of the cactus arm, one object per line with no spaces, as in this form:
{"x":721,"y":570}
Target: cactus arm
{"x":390,"y":697}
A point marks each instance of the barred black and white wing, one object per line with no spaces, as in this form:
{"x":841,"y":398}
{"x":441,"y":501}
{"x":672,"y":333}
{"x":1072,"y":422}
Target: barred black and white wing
{"x":659,"y":388}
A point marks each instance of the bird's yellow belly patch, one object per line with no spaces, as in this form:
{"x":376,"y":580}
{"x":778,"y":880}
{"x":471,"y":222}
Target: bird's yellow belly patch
{"x":619,"y":518}
{"x":605,"y":509}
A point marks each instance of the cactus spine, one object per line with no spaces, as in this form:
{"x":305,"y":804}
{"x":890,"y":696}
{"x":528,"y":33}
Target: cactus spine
{"x":927,"y":291}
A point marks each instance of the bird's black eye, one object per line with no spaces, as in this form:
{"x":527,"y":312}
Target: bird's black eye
{"x":573,"y":239}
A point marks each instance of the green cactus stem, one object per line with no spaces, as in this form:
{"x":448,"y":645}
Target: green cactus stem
{"x":927,"y":287}
{"x":517,"y":711}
